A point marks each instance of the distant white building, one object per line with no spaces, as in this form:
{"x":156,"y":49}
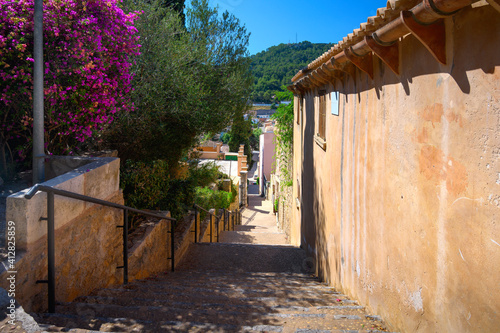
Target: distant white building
{"x":266,"y":155}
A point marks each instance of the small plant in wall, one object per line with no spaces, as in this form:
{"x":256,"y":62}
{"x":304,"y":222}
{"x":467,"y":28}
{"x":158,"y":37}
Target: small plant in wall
{"x":284,"y":136}
{"x":276,"y":205}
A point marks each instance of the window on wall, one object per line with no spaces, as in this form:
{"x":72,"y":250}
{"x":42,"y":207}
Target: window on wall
{"x":335,"y":103}
{"x":322,"y":115}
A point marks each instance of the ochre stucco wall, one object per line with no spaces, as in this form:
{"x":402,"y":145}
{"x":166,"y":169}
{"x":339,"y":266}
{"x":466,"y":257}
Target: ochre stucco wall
{"x":401,"y":209}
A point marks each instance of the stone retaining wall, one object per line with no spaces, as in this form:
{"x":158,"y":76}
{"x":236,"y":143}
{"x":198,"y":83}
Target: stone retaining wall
{"x":88,"y":246}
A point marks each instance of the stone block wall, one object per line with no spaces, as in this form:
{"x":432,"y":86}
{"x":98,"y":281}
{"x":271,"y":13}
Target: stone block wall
{"x":99,"y":179}
{"x":150,"y":254}
{"x":88,"y":246}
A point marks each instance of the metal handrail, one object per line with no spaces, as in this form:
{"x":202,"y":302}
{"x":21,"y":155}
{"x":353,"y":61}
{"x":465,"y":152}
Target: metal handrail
{"x":231,"y":218}
{"x":82,"y":197}
{"x":51,"y":233}
{"x":214,"y":215}
{"x":203,"y":209}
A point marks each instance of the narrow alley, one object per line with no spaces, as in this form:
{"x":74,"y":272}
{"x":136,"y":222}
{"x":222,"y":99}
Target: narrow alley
{"x":251,"y":281}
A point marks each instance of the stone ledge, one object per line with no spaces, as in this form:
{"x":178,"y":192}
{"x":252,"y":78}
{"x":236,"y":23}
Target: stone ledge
{"x":99,"y":179}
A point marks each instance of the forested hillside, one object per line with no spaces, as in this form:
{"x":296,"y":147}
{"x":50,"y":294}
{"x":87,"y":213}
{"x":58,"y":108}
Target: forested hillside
{"x":277,"y":65}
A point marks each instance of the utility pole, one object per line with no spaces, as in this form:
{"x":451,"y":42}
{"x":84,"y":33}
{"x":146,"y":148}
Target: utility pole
{"x":38,"y":132}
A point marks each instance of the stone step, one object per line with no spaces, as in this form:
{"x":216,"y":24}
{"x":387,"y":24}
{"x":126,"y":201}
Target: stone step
{"x":232,"y":287}
{"x":204,"y":295}
{"x":326,"y":320}
{"x":271,"y":300}
{"x":241,"y":283}
{"x":264,"y":280}
{"x":237,"y":258}
{"x":290,"y":276}
{"x":69,"y":323}
{"x":222,"y":304}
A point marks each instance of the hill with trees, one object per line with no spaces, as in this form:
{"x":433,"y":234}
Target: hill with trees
{"x":277,"y":65}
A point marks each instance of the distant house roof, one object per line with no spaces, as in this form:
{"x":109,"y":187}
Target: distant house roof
{"x":264,"y":112}
{"x":379,"y":32}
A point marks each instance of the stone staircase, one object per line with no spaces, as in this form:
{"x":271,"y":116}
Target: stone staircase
{"x":221,"y":288}
{"x":250,"y":282}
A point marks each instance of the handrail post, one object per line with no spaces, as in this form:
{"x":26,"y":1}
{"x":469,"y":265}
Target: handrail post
{"x":195,"y":224}
{"x":51,"y":192}
{"x":211,"y":226}
{"x":217,"y":218}
{"x":172,"y":245}
{"x":125,"y":246}
{"x":225,"y":219}
{"x":51,"y":278}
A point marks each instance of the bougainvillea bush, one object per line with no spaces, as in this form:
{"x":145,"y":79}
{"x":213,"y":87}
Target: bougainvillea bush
{"x":88,"y":49}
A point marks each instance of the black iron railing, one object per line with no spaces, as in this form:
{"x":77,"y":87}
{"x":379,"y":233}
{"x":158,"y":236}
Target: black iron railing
{"x":231,"y":218}
{"x":51,"y":192}
{"x":196,"y":207}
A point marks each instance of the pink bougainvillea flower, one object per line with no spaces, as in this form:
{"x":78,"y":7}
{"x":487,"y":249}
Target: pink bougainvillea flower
{"x":88,"y":49}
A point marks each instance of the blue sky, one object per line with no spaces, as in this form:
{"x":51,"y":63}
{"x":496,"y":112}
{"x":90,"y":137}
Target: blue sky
{"x":272,"y":22}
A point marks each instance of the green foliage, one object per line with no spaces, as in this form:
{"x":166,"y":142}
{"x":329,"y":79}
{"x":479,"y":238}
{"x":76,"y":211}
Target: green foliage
{"x":144,"y":184}
{"x":284,"y":137}
{"x":205,"y":174}
{"x":284,"y":94}
{"x":241,"y":131}
{"x":188,"y":81}
{"x":255,"y":138}
{"x":225,"y":138}
{"x":176,"y":5}
{"x":277,"y":65}
{"x":148,"y":185}
{"x":208,"y":198}
{"x":234,"y":191}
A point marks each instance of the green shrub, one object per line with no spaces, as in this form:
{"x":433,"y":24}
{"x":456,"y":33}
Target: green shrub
{"x":205,"y":175}
{"x":145,"y":184}
{"x":149,"y":186}
{"x":234,"y":192}
{"x":208,"y":199}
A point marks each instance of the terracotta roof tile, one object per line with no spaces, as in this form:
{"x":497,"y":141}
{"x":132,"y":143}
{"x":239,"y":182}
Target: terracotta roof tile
{"x":384,"y":16}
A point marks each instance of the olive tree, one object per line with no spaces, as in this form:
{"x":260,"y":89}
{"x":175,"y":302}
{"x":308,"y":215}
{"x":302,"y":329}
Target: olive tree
{"x":188,"y":81}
